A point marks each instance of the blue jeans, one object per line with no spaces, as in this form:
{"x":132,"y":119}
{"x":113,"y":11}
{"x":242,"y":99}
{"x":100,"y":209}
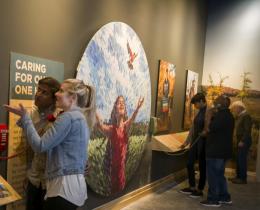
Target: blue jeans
{"x":216,"y":179}
{"x":242,"y":160}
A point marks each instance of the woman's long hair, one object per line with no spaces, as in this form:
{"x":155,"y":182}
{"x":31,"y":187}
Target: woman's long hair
{"x":113,"y":117}
{"x":86,"y":98}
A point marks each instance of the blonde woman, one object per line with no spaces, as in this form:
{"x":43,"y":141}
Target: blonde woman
{"x":65,"y":143}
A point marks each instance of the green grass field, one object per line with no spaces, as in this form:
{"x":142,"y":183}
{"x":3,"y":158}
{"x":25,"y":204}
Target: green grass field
{"x":98,"y":178}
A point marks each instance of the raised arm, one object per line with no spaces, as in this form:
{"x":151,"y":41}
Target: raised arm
{"x":105,"y":129}
{"x":20,"y":111}
{"x":133,"y":116}
{"x":51,"y":138}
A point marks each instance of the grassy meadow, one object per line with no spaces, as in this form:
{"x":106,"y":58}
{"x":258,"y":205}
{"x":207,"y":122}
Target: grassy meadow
{"x":98,"y":178}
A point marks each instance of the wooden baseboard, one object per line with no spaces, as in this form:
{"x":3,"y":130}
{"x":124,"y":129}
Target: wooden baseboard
{"x":125,"y":200}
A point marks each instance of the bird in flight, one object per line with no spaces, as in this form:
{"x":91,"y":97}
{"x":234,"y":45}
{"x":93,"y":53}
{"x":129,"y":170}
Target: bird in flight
{"x":132,"y":56}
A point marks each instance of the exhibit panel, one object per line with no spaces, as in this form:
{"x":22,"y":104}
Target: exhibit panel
{"x":115,"y":63}
{"x":25,"y":72}
{"x":7,"y":193}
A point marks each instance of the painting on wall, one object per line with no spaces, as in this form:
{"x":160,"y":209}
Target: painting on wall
{"x":165,"y":92}
{"x":115,"y":63}
{"x":191,"y":90}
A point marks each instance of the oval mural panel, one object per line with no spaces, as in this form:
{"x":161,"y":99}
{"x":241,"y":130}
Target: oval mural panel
{"x":115,"y":63}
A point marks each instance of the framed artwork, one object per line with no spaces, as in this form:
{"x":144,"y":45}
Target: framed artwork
{"x":165,"y":92}
{"x":191,"y":90}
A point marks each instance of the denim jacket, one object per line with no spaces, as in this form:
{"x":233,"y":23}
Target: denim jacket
{"x":65,"y":143}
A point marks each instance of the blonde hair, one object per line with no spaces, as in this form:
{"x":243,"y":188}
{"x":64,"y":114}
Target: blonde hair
{"x":86,"y":98}
{"x":238,"y":104}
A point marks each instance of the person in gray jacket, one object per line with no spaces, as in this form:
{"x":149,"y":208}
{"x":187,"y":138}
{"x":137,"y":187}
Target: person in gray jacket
{"x":65,"y":143}
{"x":244,"y":140}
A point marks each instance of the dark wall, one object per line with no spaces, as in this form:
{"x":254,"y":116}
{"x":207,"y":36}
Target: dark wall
{"x":173,"y":30}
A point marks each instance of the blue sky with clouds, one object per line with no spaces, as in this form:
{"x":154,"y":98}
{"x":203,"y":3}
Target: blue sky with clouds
{"x":104,"y":65}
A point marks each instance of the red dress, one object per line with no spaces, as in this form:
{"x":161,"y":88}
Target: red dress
{"x":118,"y":140}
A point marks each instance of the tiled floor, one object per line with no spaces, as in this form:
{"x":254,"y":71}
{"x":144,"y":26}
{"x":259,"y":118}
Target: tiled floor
{"x":244,"y":197}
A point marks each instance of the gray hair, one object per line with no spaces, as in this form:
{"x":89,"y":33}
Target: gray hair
{"x":239,"y":104}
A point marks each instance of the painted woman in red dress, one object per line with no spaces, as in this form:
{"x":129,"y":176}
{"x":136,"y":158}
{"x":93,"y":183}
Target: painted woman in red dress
{"x":117,"y":133}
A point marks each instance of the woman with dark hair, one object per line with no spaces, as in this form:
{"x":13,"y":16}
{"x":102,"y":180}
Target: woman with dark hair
{"x":117,"y":133}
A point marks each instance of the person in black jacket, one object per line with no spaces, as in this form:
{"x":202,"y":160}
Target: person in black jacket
{"x":197,"y":148}
{"x":219,"y":127}
{"x":244,"y":140}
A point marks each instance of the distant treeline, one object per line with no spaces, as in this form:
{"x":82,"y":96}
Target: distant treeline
{"x":234,"y":92}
